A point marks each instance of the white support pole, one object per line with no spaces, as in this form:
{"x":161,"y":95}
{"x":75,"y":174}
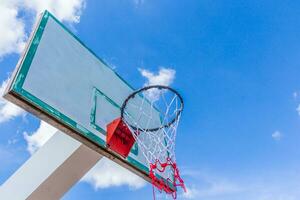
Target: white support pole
{"x":51,"y":171}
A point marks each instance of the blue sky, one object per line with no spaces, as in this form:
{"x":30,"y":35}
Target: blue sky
{"x":237,"y":67}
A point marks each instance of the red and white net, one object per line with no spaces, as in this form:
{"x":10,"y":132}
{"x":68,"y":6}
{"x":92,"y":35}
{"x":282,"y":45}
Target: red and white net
{"x":153,"y":116}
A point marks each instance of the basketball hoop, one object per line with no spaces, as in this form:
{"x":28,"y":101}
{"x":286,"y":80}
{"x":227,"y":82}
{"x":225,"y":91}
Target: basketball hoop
{"x":152,"y":114}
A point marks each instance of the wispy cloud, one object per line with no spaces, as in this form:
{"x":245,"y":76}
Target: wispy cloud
{"x":298,"y":109}
{"x":38,"y":138}
{"x":217,"y":188}
{"x":295,"y":95}
{"x":191,"y":193}
{"x":138,"y":3}
{"x":10,"y":156}
{"x":296,"y":98}
{"x":277,"y":135}
{"x":203,"y":185}
{"x":266,"y":184}
{"x":8,"y":110}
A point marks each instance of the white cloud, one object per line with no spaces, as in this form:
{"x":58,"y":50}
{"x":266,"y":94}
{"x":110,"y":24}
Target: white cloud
{"x":39,"y":137}
{"x":277,"y":135}
{"x":8,"y":110}
{"x":66,"y":10}
{"x":165,"y":76}
{"x":12,"y":26}
{"x":13,"y":36}
{"x":107,"y":174}
{"x":12,"y":30}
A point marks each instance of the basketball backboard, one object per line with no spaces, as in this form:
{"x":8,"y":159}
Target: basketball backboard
{"x":64,"y":83}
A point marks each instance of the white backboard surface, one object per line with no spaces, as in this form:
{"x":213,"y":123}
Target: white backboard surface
{"x":64,"y":83}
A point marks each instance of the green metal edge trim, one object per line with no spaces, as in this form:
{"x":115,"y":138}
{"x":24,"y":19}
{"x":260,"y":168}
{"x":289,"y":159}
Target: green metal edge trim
{"x":98,"y":92}
{"x":93,"y":123}
{"x":137,"y":164}
{"x":62,"y":118}
{"x":17,"y":85}
{"x":21,"y":75}
{"x":135,"y":149}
